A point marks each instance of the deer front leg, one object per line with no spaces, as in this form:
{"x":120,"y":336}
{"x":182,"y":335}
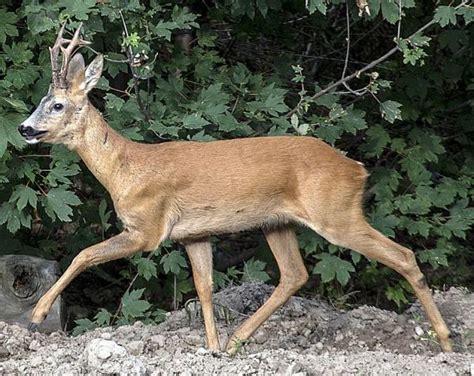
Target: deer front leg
{"x":122,"y":245}
{"x":200,"y":256}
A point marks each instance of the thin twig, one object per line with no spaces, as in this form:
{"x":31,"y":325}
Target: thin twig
{"x":348,"y":42}
{"x":119,"y":308}
{"x":358,"y":92}
{"x":366,"y":68}
{"x":98,"y":53}
{"x":399,"y":26}
{"x":136,"y":77}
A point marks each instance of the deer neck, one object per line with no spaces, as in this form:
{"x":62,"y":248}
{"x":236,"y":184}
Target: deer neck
{"x":102,"y":149}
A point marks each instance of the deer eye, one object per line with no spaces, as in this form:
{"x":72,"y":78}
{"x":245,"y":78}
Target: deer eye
{"x":58,"y":106}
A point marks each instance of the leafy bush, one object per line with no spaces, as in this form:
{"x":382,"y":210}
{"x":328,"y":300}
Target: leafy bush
{"x":251,"y":69}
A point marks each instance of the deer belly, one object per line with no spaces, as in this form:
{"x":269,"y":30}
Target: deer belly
{"x":211,"y":221}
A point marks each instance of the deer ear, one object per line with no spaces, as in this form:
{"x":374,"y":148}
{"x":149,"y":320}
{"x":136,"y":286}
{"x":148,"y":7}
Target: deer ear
{"x":75,"y":72}
{"x":93,"y":73}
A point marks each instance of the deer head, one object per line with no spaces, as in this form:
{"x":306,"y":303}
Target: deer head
{"x":60,"y":114}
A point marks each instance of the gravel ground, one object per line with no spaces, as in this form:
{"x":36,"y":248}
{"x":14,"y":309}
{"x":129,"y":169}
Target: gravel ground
{"x":305,"y":337}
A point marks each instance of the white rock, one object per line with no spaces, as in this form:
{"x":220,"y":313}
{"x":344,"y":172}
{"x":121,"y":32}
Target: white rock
{"x":135,"y":347}
{"x":419,"y":332}
{"x":105,"y":356}
{"x":158,"y":339}
{"x":201,"y":351}
{"x":34,"y":345}
{"x":36,"y":361}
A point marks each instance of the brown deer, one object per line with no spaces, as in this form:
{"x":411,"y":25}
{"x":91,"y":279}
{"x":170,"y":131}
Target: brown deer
{"x":187,"y":191}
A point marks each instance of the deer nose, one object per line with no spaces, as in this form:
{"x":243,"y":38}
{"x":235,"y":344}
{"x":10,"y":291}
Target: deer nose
{"x":25,"y":130}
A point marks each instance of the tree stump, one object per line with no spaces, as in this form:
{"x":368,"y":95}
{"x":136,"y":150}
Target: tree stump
{"x":23,"y":280}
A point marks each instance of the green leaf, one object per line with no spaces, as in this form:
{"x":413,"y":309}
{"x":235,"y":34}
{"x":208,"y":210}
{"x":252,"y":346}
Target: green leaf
{"x":9,"y":133}
{"x":183,"y":18}
{"x":58,"y":203}
{"x":104,"y":216}
{"x":328,"y":132}
{"x":146,"y":267}
{"x":194,"y":121}
{"x":397,"y":295}
{"x":82,"y":326}
{"x":262,"y":7}
{"x":132,"y":306}
{"x":23,"y":195}
{"x":173,"y":262}
{"x":79,"y":9}
{"x":16,"y":104}
{"x":103,"y":317}
{"x":384,"y":223}
{"x":351,"y":120}
{"x":390,"y":110}
{"x":10,"y":215}
{"x":313,"y":5}
{"x":467,"y":12}
{"x":164,"y":28}
{"x":436,"y":256}
{"x":390,"y":10}
{"x":445,"y":15}
{"x":7,"y":25}
{"x":332,"y":267}
{"x":377,"y":140}
{"x":254,"y":270}
{"x":219,"y":279}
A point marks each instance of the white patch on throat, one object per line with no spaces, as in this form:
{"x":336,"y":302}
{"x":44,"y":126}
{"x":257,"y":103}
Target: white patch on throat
{"x":32,"y":141}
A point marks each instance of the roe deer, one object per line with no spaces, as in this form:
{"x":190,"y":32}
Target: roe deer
{"x":187,"y":191}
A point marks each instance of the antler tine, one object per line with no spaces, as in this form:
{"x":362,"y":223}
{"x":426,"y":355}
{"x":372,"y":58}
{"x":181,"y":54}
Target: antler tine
{"x":75,"y":43}
{"x":59,"y":74}
{"x":54,"y":54}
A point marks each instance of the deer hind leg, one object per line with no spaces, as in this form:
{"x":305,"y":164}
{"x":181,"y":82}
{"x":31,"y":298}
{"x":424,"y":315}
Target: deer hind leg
{"x":200,"y":256}
{"x":361,"y":237}
{"x":293,"y":275}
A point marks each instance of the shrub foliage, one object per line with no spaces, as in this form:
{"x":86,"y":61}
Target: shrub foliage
{"x":227,"y":69}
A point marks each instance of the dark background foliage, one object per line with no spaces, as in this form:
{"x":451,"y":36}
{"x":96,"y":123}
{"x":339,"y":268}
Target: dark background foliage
{"x":205,"y":70}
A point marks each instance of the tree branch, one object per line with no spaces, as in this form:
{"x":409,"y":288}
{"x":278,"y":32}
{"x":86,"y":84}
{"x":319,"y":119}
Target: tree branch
{"x":369,"y":66}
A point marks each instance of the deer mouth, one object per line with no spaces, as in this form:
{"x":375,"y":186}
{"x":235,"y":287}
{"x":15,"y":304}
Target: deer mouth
{"x":34,"y":137}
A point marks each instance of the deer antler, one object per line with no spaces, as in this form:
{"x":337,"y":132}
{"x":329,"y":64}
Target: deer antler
{"x":59,"y":74}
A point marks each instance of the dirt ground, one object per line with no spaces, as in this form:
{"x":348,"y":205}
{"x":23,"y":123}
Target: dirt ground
{"x":305,"y":337}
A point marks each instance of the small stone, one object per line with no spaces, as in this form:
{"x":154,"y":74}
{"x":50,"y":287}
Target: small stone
{"x":397,"y":330}
{"x":261,"y":336}
{"x":319,"y":346}
{"x":135,"y":347}
{"x":302,"y":342}
{"x":36,"y":361}
{"x":34,"y":345}
{"x":3,"y":352}
{"x":339,"y":337}
{"x":201,"y":351}
{"x":307,"y":333}
{"x":195,"y":339}
{"x":106,"y":336}
{"x":158,"y":339}
{"x":419,"y":332}
{"x":103,"y":353}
